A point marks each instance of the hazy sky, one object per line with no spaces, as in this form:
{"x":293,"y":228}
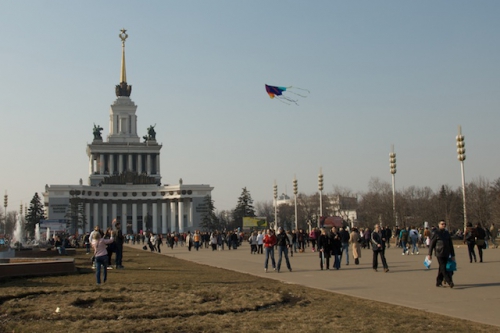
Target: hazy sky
{"x":380,"y":73}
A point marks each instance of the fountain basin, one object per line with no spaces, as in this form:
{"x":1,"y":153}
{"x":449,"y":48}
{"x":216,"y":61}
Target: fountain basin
{"x":11,"y":267}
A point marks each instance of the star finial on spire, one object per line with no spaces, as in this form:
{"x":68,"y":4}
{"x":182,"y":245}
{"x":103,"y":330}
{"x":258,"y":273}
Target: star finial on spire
{"x":123,"y":36}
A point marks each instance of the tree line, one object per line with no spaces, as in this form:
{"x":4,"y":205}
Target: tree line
{"x":414,"y":206}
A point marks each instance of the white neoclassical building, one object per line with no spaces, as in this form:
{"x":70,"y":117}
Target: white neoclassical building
{"x":124,"y":178}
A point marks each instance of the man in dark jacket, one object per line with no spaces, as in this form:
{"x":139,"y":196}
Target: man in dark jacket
{"x":118,"y":245}
{"x":441,"y":241}
{"x":283,"y":243}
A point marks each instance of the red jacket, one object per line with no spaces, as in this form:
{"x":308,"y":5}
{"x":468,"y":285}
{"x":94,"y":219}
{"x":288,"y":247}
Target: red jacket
{"x":269,"y":241}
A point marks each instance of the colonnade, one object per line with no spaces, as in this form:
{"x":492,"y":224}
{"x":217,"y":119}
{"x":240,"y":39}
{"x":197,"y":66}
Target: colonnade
{"x":107,"y":163}
{"x":164,"y":216}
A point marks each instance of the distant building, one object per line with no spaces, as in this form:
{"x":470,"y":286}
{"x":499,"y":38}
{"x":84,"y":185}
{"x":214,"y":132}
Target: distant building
{"x":125,"y":181}
{"x":345,"y":207}
{"x":283,"y":199}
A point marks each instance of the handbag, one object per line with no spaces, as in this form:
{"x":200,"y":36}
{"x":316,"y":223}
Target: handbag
{"x":427,"y":263}
{"x":480,"y":242}
{"x":451,"y":266}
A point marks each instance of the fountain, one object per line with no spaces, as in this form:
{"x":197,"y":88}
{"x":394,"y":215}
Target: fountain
{"x":17,"y":236}
{"x":37,"y":233}
{"x":34,"y":260}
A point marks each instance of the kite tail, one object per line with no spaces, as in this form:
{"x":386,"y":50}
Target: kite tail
{"x":295,"y":93}
{"x":283,"y":98}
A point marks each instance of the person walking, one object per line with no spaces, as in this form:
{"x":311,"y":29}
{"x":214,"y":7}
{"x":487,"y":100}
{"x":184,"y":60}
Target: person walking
{"x":324,"y":250}
{"x":414,"y":236}
{"x":480,"y":240}
{"x":283,"y":244}
{"x":336,"y":247}
{"x":253,"y":243}
{"x":355,"y":240}
{"x":260,"y":242}
{"x":269,"y":242}
{"x":441,"y":242}
{"x":470,"y":240}
{"x":118,"y":236}
{"x":403,"y":236}
{"x":378,"y":247}
{"x":99,"y":245}
{"x":344,"y":240}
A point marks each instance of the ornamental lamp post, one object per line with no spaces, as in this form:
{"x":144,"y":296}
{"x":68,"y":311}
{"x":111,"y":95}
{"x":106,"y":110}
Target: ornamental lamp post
{"x":392,"y":161}
{"x":275,"y":206}
{"x":5,"y":201}
{"x":320,"y":189}
{"x":461,"y":157}
{"x":295,"y":191}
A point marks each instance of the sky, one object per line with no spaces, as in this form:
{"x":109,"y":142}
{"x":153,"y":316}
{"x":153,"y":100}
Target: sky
{"x":380,"y":73}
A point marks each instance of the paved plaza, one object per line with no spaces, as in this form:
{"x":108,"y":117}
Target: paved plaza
{"x":476,"y":295}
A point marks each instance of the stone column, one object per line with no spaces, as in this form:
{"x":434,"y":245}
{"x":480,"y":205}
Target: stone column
{"x":139,"y":163}
{"x":124,"y":217}
{"x":155,"y":217}
{"x":173,"y":227}
{"x":104,"y":215}
{"x":101,"y":164}
{"x":87,"y":212}
{"x":148,"y":164}
{"x":190,"y":218}
{"x":163,"y":217}
{"x":181,"y":216}
{"x":130,"y":163}
{"x":96,"y":214}
{"x":91,"y":164}
{"x":111,"y":164}
{"x":134,"y":218}
{"x":120,"y":163}
{"x":144,"y":215}
{"x":113,"y":211}
{"x":158,"y":164}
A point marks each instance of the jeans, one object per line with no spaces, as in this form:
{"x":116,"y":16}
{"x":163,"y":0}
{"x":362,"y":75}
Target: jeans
{"x":336,"y":262}
{"x":283,"y":250}
{"x":345,"y":249}
{"x":403,"y":245}
{"x":101,"y":261}
{"x":414,"y":243}
{"x":269,"y":253}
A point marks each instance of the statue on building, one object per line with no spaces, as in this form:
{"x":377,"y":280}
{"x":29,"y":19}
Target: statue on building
{"x":97,"y":132}
{"x":151,"y":134}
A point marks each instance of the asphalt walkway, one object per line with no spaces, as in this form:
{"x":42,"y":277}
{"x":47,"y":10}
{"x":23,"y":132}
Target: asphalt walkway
{"x":476,"y":295}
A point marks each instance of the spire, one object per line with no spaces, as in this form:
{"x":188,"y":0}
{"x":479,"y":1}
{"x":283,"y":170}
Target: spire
{"x":123,"y":89}
{"x":123,"y":73}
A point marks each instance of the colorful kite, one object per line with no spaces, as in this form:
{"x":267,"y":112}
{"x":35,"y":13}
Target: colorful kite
{"x":277,"y":92}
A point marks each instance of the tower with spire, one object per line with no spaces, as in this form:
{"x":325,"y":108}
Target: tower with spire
{"x":124,"y":179}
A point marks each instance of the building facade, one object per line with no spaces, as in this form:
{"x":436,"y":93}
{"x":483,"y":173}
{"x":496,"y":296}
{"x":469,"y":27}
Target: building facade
{"x":125,"y":181}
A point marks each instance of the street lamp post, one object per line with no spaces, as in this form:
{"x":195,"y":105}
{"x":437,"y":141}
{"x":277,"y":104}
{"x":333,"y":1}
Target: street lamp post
{"x":320,"y":188}
{"x":392,"y":161}
{"x":5,"y":201}
{"x":461,"y":157}
{"x":275,"y":206}
{"x":295,"y":191}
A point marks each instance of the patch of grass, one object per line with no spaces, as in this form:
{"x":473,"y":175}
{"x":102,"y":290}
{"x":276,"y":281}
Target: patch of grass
{"x":156,"y":293}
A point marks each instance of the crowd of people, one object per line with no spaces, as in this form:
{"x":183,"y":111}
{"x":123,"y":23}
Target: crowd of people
{"x":334,"y":245}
